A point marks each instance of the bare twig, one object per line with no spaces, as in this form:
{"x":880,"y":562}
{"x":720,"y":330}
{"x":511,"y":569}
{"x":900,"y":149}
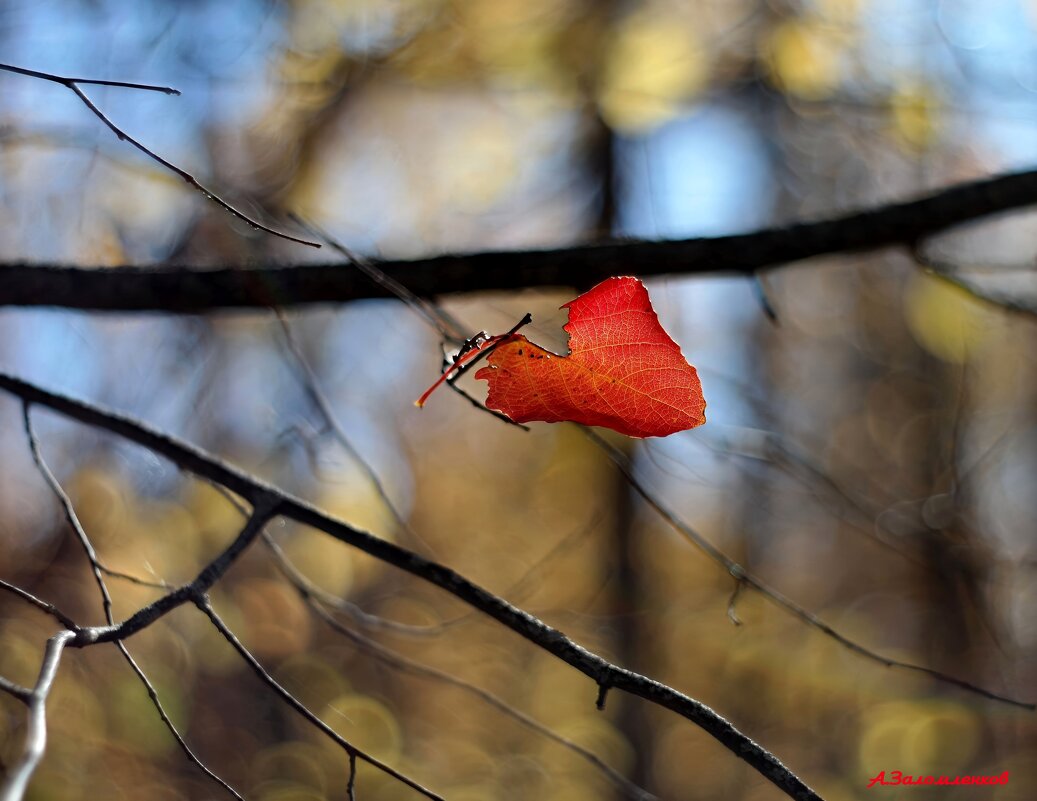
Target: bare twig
{"x":178,"y":289}
{"x":132,"y":579}
{"x":43,"y":606}
{"x":599,"y":670}
{"x":73,"y":84}
{"x":202,"y":602}
{"x":745,"y":579}
{"x":954,"y":275}
{"x":23,"y":694}
{"x":209,"y":575}
{"x":399,"y":662}
{"x":18,"y":776}
{"x":310,"y":382}
{"x":376,"y":622}
{"x":351,"y":784}
{"x":84,"y":540}
{"x":46,"y":76}
{"x":484,"y":408}
{"x":449,"y":328}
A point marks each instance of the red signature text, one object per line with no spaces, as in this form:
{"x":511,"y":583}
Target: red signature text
{"x":899,"y":778}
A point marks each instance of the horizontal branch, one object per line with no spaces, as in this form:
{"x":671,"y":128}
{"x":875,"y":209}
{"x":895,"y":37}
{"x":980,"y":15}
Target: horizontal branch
{"x":180,"y":289}
{"x":602,"y":672}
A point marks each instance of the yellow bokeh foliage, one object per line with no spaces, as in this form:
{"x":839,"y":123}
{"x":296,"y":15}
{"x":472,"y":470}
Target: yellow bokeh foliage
{"x":803,"y":58}
{"x":946,"y":320}
{"x":653,"y":66}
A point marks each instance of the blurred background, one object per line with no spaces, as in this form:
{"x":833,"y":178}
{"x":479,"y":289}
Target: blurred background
{"x":872,"y":456}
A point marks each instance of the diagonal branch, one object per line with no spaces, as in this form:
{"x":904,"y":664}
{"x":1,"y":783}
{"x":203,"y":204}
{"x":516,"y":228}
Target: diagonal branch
{"x":311,"y":384}
{"x":745,"y":579}
{"x":397,"y":661}
{"x":180,"y":289}
{"x":73,"y":84}
{"x":275,"y":501}
{"x":956,"y":275}
{"x":203,"y":582}
{"x":202,"y":602}
{"x":18,"y":776}
{"x":43,"y":606}
{"x":98,"y":570}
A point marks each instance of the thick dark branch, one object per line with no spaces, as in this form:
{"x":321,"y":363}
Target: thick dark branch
{"x":599,"y":670}
{"x":186,"y":290}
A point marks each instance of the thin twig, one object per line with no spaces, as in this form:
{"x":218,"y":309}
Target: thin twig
{"x":132,"y":579}
{"x":84,"y":540}
{"x":378,"y":623}
{"x":42,"y":605}
{"x":66,"y":505}
{"x":1002,"y":300}
{"x":311,"y":383}
{"x":478,"y":404}
{"x":741,"y":576}
{"x":952,"y":274}
{"x":18,"y":776}
{"x":598,"y":669}
{"x":399,"y":662}
{"x":209,"y":575}
{"x":46,"y":76}
{"x":202,"y":602}
{"x":449,"y":328}
{"x":73,"y":84}
{"x":351,"y":784}
{"x":432,"y":313}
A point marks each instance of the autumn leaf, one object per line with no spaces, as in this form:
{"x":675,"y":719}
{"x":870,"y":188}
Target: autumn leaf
{"x":623,"y":371}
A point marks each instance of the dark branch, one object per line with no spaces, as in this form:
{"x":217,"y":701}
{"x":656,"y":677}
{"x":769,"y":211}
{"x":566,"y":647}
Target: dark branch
{"x":46,"y":76}
{"x":142,"y":618}
{"x":744,"y":579}
{"x":203,"y":604}
{"x":99,"y":570}
{"x":187,"y":290}
{"x":73,"y":84}
{"x":312,"y":596}
{"x":522,"y":623}
{"x":42,"y":605}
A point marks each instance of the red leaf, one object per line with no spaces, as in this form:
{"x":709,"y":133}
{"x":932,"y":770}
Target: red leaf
{"x":623,"y":371}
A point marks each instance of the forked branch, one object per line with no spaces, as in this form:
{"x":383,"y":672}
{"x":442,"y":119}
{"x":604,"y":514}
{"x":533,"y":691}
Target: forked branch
{"x":274,"y":501}
{"x":75,"y":85}
{"x":18,"y":776}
